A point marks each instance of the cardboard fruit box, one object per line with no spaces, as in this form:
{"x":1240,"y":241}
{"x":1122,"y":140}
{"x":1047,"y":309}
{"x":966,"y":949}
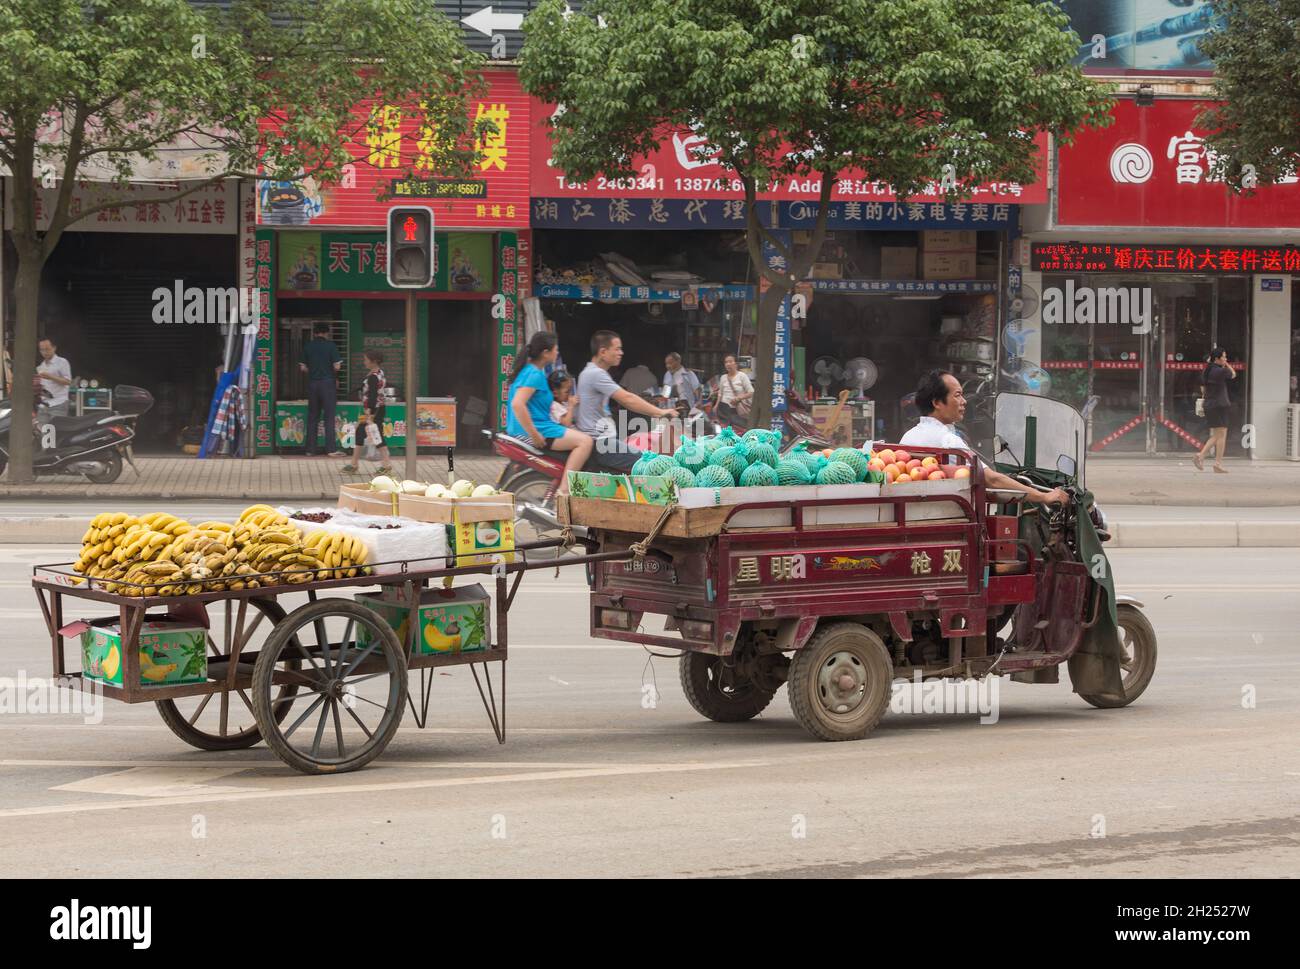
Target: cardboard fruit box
{"x":455,"y":620}
{"x":480,"y":531}
{"x":360,"y":498}
{"x":171,"y":652}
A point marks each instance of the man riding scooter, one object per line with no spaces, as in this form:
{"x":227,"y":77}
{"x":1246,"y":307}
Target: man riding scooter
{"x":596,"y":388}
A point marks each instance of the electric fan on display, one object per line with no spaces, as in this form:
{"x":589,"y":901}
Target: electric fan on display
{"x":860,"y":375}
{"x":827,"y":372}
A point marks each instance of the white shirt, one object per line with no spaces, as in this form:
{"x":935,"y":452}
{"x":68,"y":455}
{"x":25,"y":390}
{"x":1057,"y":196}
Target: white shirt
{"x":59,"y":367}
{"x":729,"y":387}
{"x":932,"y":432}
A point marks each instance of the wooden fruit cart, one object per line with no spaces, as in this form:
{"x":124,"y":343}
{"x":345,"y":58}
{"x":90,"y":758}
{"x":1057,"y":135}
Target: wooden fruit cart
{"x":325,"y":685}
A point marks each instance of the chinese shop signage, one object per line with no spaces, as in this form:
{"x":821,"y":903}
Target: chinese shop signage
{"x":355,"y":262}
{"x":1106,"y":257}
{"x":684,"y":166}
{"x":505,"y":310}
{"x":1152,"y":168}
{"x":391,"y":156}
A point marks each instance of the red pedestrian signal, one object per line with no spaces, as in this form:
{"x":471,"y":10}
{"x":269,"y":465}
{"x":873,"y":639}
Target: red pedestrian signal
{"x":410,"y":250}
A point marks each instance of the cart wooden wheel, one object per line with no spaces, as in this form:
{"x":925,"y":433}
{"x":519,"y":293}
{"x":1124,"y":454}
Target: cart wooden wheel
{"x":224,"y":720}
{"x":351,"y":674}
{"x":840,"y":682}
{"x":720,"y":692}
{"x":1138,"y":665}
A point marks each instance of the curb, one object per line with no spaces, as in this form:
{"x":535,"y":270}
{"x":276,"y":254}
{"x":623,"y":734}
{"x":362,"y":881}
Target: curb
{"x":67,"y":530}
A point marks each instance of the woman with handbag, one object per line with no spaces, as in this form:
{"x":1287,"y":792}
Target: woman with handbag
{"x":1216,"y":405}
{"x":735,"y":394}
{"x":370,"y":426}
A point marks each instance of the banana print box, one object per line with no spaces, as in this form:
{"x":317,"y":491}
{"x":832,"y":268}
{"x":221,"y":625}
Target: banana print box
{"x":170,"y":653}
{"x":451,"y":620}
{"x":593,"y":484}
{"x":483,"y":529}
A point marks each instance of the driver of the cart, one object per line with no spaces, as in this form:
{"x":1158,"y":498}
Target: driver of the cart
{"x":942,"y":404}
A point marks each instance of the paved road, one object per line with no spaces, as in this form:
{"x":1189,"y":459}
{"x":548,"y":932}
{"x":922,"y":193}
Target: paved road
{"x":1185,"y":782}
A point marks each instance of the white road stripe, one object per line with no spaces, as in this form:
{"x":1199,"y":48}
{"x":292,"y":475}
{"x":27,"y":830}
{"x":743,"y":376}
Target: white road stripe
{"x":323,"y":788}
{"x":171,"y":781}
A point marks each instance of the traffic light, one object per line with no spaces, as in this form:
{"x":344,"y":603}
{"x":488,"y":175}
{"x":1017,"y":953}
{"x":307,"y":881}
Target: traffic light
{"x":411,"y":259}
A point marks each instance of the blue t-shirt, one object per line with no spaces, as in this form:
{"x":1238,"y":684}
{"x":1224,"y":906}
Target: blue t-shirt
{"x":539,"y":405}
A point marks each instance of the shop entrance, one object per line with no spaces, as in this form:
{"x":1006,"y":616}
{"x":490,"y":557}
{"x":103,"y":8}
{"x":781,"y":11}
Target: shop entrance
{"x":1146,"y":383}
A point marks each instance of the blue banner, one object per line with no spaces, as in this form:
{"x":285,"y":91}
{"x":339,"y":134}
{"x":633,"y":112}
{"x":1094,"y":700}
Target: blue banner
{"x":603,"y":213}
{"x":781,"y":359}
{"x":903,"y":286}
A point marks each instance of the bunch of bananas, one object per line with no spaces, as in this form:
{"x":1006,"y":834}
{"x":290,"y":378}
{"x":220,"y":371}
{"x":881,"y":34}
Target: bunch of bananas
{"x":116,"y":541}
{"x":343,"y":556}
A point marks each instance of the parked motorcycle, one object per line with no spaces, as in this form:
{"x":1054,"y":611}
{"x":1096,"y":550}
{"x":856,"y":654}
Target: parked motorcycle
{"x":95,"y":445}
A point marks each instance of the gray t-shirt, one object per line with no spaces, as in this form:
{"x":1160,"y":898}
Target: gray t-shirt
{"x":595,"y":387}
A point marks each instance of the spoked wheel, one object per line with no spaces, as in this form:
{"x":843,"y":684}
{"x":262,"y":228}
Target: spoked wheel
{"x":532,"y":488}
{"x":839,"y":683}
{"x":1138,"y":640}
{"x":718,"y":691}
{"x":351,"y":674}
{"x":225,"y":720}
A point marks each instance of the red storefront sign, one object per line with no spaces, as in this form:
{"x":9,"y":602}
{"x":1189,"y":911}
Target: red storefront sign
{"x":673,"y":171}
{"x":1112,"y":257}
{"x":395,"y":140}
{"x":1151,"y":168}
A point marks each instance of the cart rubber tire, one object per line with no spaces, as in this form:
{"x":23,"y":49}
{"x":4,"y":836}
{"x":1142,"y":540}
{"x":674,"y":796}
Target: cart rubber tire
{"x":709,"y":699}
{"x":203,"y":740}
{"x":112,"y":473}
{"x":1132,"y":621}
{"x":264,"y":669}
{"x":837,"y":650}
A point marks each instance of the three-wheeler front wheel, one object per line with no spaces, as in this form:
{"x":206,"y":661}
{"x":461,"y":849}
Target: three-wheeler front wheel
{"x":840,"y":682}
{"x":1138,"y":640}
{"x":350,"y":674}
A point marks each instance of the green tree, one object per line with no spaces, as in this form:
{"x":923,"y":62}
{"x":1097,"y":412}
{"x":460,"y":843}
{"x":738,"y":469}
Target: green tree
{"x":265,"y":89}
{"x":808,"y":88}
{"x":1256,"y":54}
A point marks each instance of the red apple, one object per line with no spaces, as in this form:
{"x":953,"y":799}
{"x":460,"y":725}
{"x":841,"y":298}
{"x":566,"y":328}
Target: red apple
{"x":902,"y":479}
{"x":887,"y":456}
{"x":929,"y":461}
{"x":902,"y":456}
{"x":912,"y":465}
{"x":962,"y":473}
{"x":936,"y":475}
{"x":875,"y":464}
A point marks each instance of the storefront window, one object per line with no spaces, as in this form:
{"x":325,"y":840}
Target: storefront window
{"x":1140,"y":353}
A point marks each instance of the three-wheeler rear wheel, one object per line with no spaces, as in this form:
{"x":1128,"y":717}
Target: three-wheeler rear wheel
{"x":840,"y":682}
{"x":718,"y":690}
{"x":350,"y":673}
{"x":1138,"y":664}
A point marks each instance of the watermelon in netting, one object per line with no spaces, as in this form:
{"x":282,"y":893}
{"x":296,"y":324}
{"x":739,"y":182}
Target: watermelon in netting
{"x":659,"y":465}
{"x":791,"y":472}
{"x":763,"y":453}
{"x":683,"y":477}
{"x":691,"y":456}
{"x":640,"y":467}
{"x":836,"y":472}
{"x":728,"y":459}
{"x":714,"y":477}
{"x":854,"y":458}
{"x":759,"y":475}
{"x":807,"y":459}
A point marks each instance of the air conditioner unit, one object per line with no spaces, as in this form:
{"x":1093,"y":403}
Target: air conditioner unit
{"x":1293,"y":432}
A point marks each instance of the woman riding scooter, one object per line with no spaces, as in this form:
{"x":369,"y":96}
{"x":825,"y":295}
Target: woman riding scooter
{"x":530,"y":407}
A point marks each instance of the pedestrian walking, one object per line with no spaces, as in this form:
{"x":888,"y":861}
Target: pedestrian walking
{"x":321,"y":361}
{"x":1214,"y":393}
{"x":370,"y":428}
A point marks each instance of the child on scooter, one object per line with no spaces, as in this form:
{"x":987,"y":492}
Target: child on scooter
{"x":564,"y":405}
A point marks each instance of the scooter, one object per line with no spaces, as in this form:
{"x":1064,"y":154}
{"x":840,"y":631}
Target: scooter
{"x":95,"y":445}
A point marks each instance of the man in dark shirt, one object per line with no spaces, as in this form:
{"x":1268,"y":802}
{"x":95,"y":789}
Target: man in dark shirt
{"x":321,"y":361}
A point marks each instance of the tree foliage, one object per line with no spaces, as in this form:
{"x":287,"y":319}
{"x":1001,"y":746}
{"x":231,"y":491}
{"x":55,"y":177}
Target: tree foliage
{"x":808,"y":88}
{"x":101,"y":86}
{"x":1256,"y":54}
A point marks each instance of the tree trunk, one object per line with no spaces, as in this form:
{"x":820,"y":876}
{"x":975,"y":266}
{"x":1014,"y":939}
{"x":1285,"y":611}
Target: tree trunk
{"x":769,"y":306}
{"x":27,"y":291}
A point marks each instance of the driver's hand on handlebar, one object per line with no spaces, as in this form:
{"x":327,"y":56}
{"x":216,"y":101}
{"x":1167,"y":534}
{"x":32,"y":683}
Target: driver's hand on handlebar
{"x":1054,"y":497}
{"x":668,"y":412}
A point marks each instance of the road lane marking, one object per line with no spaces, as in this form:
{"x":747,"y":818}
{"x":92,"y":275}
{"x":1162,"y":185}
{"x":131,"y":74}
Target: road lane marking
{"x":321,"y":788}
{"x":157,"y":781}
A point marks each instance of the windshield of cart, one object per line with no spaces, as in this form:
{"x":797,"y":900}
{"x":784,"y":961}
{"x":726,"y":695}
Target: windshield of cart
{"x":1038,"y":433}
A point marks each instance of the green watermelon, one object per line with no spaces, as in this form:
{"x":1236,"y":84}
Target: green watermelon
{"x":807,"y":459}
{"x":760,"y":435}
{"x":759,"y":475}
{"x":642,"y":462}
{"x":854,"y":458}
{"x":728,"y":459}
{"x":836,"y":472}
{"x":793,"y":472}
{"x":692,"y":456}
{"x":683,"y":477}
{"x":658,"y":465}
{"x":710,"y":444}
{"x":762,"y":453}
{"x":714,"y":477}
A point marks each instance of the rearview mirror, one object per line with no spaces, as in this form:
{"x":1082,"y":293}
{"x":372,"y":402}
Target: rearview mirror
{"x":1067,"y":465}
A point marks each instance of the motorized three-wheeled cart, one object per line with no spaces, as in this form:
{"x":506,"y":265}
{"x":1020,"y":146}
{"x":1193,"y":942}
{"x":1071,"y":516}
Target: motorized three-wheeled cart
{"x":837,"y":597}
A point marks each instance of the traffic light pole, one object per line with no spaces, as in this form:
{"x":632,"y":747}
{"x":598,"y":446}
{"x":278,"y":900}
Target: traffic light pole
{"x":412,"y":349}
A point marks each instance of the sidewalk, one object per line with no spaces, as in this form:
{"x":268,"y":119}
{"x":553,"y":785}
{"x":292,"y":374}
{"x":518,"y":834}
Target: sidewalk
{"x":1175,"y":481}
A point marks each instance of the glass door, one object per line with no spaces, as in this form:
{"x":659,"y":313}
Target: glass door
{"x":1182,"y":337}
